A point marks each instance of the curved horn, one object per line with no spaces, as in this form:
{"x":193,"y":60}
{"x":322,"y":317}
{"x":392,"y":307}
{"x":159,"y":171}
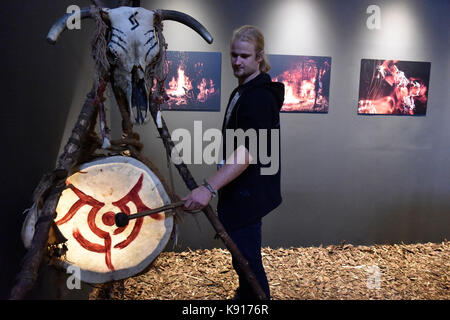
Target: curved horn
{"x":186,"y":20}
{"x":61,"y":25}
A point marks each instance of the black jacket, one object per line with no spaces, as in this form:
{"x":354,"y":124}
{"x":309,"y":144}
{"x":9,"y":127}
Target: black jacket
{"x":251,"y":196}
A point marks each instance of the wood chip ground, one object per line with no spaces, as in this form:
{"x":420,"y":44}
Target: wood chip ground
{"x":414,"y":271}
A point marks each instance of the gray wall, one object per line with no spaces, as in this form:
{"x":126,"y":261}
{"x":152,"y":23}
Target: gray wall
{"x":359,"y":179}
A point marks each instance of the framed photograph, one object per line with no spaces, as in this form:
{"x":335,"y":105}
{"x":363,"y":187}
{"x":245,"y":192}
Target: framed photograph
{"x":193,"y":81}
{"x":306,"y":80}
{"x":393,"y":87}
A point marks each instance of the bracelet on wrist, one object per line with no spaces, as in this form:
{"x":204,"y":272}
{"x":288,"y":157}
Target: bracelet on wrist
{"x":210,"y":189}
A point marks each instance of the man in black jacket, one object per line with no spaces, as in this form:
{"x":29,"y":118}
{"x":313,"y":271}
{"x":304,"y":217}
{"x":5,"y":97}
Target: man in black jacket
{"x":246,"y":194}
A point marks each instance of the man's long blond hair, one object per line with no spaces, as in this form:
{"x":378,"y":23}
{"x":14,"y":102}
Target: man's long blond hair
{"x":253,"y":35}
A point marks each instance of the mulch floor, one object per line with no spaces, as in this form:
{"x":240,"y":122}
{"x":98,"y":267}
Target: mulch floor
{"x":399,"y":271}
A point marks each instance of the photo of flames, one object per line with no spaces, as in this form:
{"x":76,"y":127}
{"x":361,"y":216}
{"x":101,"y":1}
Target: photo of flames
{"x":393,"y":87}
{"x":193,"y":81}
{"x":306,"y":80}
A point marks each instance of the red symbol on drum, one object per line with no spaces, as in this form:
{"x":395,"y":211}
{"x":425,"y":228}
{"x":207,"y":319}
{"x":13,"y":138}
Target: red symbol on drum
{"x":108,"y":220}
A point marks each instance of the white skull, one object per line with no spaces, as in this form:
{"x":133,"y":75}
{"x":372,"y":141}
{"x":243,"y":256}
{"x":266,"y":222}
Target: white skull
{"x":134,"y":44}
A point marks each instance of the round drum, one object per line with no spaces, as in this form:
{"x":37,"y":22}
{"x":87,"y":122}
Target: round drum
{"x":85,"y":216}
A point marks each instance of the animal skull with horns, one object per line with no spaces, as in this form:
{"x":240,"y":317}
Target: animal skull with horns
{"x":133,"y":50}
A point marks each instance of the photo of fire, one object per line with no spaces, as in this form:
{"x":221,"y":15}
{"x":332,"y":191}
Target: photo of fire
{"x":306,"y":80}
{"x":393,"y":87}
{"x":193,"y":81}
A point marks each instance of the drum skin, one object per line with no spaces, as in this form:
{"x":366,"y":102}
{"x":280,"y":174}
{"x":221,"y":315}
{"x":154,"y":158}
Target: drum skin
{"x":85,"y":216}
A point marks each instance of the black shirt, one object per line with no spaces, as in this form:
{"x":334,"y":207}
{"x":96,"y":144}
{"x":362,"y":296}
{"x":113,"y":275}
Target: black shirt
{"x":252,"y":195}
